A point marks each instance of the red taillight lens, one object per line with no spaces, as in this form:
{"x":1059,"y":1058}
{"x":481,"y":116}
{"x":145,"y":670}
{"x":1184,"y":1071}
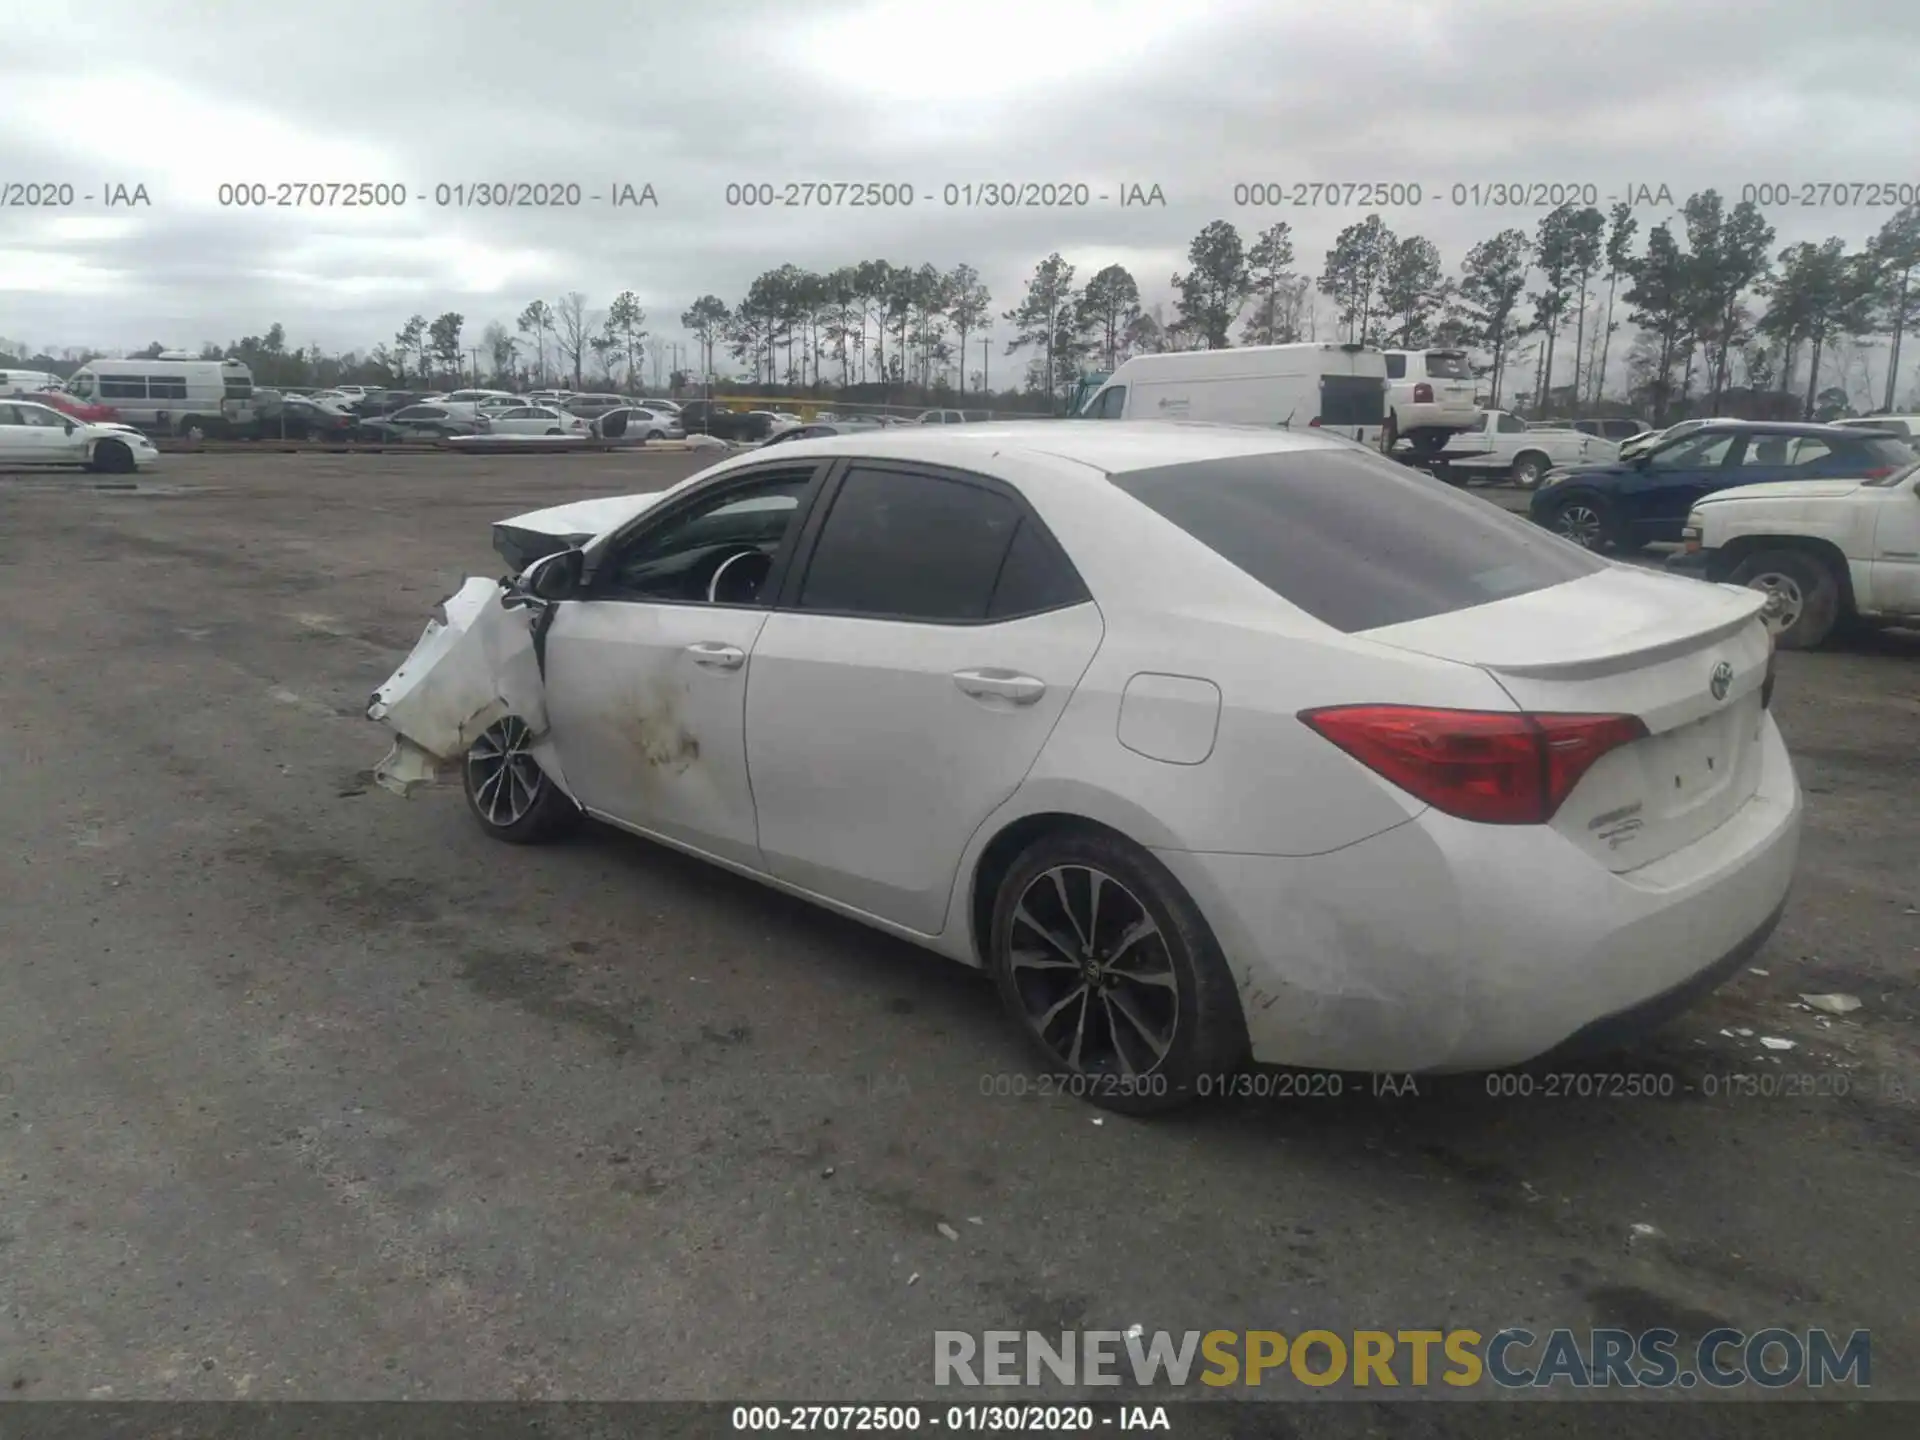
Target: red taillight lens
{"x":1495,"y":767}
{"x":1423,"y":394}
{"x":1879,"y":474}
{"x":1314,"y":423}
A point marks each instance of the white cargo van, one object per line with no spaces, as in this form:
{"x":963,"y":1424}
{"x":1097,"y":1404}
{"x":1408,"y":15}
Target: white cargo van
{"x":1342,"y":388}
{"x":169,"y":396}
{"x":27,"y":382}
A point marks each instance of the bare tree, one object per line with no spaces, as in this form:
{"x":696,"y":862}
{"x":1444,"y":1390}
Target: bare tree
{"x":576,"y":331}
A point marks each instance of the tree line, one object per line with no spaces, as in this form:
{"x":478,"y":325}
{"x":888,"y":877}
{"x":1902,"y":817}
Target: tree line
{"x":1713,"y":308}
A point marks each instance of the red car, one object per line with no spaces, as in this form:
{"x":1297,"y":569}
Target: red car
{"x":67,"y":405}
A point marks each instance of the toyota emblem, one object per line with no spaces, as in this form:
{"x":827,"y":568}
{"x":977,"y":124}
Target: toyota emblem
{"x":1722,"y":680}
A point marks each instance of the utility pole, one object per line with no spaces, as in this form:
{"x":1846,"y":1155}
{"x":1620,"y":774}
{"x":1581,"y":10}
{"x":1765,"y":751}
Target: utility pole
{"x":986,"y":385}
{"x":476,"y":367}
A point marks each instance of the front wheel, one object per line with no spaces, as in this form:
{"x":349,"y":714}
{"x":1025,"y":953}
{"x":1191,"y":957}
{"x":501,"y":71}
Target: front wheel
{"x":1583,"y":519}
{"x":509,"y":794}
{"x":110,"y":457}
{"x":1111,"y":973}
{"x":1803,"y":595}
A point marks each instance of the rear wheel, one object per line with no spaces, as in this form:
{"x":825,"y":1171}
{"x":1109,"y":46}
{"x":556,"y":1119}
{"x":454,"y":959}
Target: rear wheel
{"x":507,"y":791}
{"x":1111,"y":973}
{"x":1430,"y":442}
{"x":1803,"y":595}
{"x":1528,"y":469}
{"x":1389,"y":435}
{"x":556,"y":431}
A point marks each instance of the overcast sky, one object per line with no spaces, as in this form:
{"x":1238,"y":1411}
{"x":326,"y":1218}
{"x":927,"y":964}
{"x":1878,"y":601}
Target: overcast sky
{"x":1194,"y":97}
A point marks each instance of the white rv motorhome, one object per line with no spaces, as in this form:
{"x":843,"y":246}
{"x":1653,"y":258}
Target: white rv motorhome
{"x":27,"y":382}
{"x":175,"y":394}
{"x":1341,"y":388}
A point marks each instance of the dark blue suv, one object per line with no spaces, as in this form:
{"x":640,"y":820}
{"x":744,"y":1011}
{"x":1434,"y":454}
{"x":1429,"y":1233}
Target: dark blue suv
{"x":1628,"y":504}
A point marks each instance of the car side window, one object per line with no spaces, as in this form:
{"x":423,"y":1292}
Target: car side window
{"x":10,"y":415}
{"x":1698,"y":452}
{"x":1810,"y":451}
{"x":1035,"y":577}
{"x":676,"y":559}
{"x":45,"y":418}
{"x":1112,"y":403}
{"x":1509,"y":423}
{"x":1396,"y":367}
{"x":909,"y":546}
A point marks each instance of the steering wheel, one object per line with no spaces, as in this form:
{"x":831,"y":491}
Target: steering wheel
{"x":747,"y":578}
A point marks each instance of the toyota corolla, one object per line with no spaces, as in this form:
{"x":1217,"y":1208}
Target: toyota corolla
{"x":1211,"y":745}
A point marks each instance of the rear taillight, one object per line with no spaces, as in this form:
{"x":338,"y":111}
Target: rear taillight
{"x":1879,"y":474}
{"x":1494,"y":767}
{"x":1423,"y":394}
{"x":1314,"y":423}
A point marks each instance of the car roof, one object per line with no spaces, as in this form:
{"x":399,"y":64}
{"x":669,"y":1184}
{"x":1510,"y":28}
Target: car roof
{"x":1803,"y":428}
{"x":1113,"y":447}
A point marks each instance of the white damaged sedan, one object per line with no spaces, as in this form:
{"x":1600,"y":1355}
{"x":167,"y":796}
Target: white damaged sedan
{"x":1210,"y":744}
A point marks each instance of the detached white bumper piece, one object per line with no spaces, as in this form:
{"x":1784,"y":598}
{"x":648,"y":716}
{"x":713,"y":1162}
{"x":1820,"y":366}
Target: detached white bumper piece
{"x":462,"y":676}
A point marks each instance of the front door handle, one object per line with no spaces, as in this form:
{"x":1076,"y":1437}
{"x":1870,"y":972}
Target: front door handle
{"x":716,"y":656}
{"x":1001,"y":685}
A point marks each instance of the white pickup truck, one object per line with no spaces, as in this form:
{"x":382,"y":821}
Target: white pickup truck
{"x":1826,"y":552}
{"x":1502,"y":445}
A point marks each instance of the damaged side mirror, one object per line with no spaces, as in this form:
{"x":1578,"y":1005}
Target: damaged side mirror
{"x":552,"y":577}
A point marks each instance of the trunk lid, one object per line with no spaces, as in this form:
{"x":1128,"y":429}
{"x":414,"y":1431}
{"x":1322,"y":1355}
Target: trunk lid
{"x":1688,"y":659}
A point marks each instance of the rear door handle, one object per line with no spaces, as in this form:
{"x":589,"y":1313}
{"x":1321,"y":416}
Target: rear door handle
{"x":1000,"y":684}
{"x":716,"y":656}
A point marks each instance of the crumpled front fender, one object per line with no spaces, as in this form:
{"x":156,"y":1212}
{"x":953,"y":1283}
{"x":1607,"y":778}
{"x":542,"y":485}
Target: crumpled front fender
{"x":462,"y":676}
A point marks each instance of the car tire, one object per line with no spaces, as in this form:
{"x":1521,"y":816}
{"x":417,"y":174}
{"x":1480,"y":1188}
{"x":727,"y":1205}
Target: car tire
{"x":1430,"y":442}
{"x":111,"y":457}
{"x":511,"y":797}
{"x":1529,"y":469}
{"x":556,"y":432}
{"x":1169,"y":998}
{"x":1586,"y":520}
{"x":1389,"y":435}
{"x":1808,"y":589}
{"x":655,"y":435}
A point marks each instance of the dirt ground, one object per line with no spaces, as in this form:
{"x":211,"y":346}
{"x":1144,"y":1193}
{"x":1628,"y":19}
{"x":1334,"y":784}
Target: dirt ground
{"x":308,"y":1091}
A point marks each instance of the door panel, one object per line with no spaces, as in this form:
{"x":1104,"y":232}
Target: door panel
{"x":878,"y":747}
{"x":1896,"y":553}
{"x":647,"y":718}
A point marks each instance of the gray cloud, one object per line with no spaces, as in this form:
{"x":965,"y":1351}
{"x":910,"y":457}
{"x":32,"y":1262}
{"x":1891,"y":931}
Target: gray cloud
{"x":1193,"y":99}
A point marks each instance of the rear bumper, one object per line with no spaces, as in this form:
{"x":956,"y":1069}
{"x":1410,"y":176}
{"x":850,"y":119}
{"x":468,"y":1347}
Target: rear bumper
{"x":1442,"y":945}
{"x":1408,"y":417}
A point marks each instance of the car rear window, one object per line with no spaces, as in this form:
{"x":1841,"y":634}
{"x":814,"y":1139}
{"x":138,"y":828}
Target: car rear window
{"x":1448,"y":365}
{"x":1354,"y":539}
{"x":1353,"y":400}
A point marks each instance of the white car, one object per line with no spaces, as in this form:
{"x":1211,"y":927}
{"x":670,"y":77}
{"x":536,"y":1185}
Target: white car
{"x":1208,"y":743}
{"x":34,"y":434}
{"x":1824,"y":552}
{"x":535,"y":420}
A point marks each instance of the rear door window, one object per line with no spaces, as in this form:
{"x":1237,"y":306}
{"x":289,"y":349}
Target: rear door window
{"x":1355,"y":540}
{"x":1448,"y":365}
{"x":903,"y":545}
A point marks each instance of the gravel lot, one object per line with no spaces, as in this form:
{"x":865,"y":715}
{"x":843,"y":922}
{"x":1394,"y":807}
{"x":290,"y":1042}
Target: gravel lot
{"x":308,"y":1091}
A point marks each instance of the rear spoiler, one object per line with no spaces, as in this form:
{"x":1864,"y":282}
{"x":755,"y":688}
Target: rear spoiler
{"x":1596,"y":665}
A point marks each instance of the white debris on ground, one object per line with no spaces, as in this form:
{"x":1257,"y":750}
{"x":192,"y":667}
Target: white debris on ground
{"x":1774,"y":1042}
{"x":1831,"y":1004}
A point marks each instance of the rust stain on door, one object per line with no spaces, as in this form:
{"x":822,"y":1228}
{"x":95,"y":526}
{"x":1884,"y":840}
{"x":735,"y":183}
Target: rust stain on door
{"x":656,"y":730}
